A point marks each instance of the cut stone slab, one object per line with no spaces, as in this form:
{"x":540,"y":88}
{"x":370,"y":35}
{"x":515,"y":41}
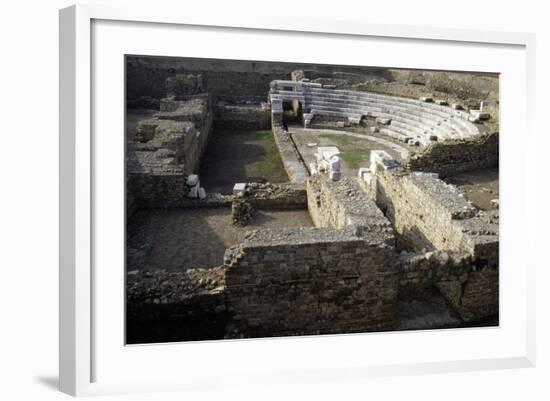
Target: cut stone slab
{"x":326,"y":152}
{"x":426,"y":99}
{"x":480,"y":115}
{"x":457,"y":106}
{"x":383,"y":120}
{"x":362,"y":171}
{"x":239,"y":188}
{"x":441,"y":102}
{"x":374,"y":129}
{"x":381,"y":158}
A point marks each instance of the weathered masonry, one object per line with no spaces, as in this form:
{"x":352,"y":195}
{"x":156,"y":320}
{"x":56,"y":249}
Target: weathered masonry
{"x":454,"y":246}
{"x":339,"y":277}
{"x":444,"y":137}
{"x":367,"y":245}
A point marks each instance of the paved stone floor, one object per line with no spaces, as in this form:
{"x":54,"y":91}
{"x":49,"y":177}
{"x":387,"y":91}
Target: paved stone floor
{"x":181,"y":239}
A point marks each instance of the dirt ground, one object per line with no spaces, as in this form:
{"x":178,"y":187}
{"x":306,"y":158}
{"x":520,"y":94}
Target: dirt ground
{"x":481,"y":186}
{"x":181,"y":239}
{"x":240,"y":156}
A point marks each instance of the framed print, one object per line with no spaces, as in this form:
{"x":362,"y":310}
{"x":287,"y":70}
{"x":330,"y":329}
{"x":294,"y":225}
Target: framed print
{"x":314,"y":200}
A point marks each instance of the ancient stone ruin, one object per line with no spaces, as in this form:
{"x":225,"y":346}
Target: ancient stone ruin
{"x":386,"y":219}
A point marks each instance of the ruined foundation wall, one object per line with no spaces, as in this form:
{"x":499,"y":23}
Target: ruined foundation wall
{"x":429,"y":214}
{"x":292,"y":162}
{"x":175,"y":306}
{"x":456,"y":156}
{"x":455,"y":245}
{"x":166,"y":149}
{"x":342,"y":203}
{"x":311,"y":281}
{"x":243,"y":116}
{"x":268,"y":196}
{"x":339,"y":278}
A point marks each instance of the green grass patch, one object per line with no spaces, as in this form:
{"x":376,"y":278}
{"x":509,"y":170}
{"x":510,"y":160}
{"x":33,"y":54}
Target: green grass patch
{"x":264,"y":161}
{"x":352,"y":155}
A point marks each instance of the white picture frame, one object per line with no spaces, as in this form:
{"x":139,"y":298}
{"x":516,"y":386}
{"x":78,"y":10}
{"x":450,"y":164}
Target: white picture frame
{"x":79,"y":344}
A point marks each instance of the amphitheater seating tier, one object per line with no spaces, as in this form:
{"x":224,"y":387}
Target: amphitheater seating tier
{"x":410,"y":120}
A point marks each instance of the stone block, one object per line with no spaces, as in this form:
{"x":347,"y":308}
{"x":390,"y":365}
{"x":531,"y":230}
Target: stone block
{"x":362,"y":171}
{"x":480,"y":115}
{"x":383,"y":120}
{"x":239,"y":188}
{"x":382,"y":159}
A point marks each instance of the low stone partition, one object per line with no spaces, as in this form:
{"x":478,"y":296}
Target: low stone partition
{"x":342,"y":203}
{"x":268,"y":196}
{"x":292,"y":161}
{"x":456,"y":156}
{"x":242,"y":116}
{"x":311,"y":281}
{"x":454,"y":245}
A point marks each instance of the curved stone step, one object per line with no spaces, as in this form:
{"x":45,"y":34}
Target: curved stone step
{"x":417,"y":124}
{"x":427,"y":120}
{"x":452,"y":120}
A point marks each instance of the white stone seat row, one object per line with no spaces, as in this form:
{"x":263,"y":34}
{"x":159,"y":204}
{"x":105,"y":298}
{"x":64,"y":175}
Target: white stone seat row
{"x":447,"y":129}
{"x":454,"y":122}
{"x":370,"y":95}
{"x":409,"y":119}
{"x":358,"y":96}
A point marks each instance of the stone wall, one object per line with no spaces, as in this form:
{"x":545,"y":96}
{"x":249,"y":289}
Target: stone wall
{"x":311,"y":281}
{"x":243,"y":116}
{"x":454,"y":245}
{"x":166,"y":306}
{"x":342,"y":203}
{"x":456,"y":156}
{"x":268,"y":196}
{"x":230,"y":80}
{"x":166,"y":149}
{"x":339,"y":277}
{"x":429,"y":214}
{"x":473,"y":292}
{"x":292,"y":161}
